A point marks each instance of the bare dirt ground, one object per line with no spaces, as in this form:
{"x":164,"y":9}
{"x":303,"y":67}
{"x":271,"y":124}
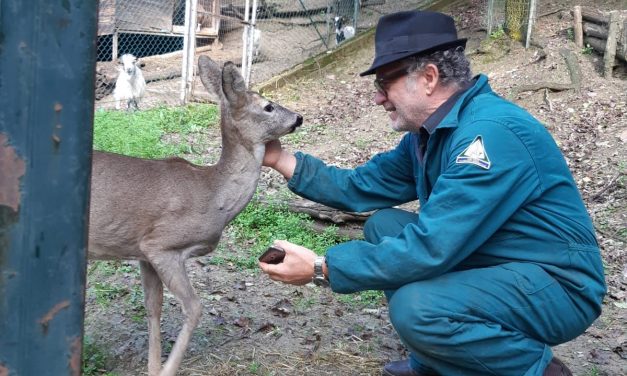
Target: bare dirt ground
{"x":252,"y":325}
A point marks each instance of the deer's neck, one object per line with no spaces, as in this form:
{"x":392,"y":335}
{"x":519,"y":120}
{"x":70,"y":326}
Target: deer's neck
{"x":239,"y":168}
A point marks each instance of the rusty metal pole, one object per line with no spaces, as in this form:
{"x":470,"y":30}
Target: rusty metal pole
{"x":47,"y":68}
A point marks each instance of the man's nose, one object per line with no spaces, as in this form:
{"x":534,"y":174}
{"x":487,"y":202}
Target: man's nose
{"x":380,"y":98}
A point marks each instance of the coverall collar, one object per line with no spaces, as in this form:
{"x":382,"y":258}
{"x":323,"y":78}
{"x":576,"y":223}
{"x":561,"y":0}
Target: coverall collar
{"x":450,"y":117}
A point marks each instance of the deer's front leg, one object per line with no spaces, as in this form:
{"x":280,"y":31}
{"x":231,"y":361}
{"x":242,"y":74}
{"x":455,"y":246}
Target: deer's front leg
{"x":171,"y":269}
{"x":153,"y":299}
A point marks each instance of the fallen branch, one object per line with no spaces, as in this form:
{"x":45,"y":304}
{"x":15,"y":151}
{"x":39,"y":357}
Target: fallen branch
{"x":573,"y":68}
{"x":320,"y":211}
{"x":551,"y":12}
{"x":553,"y":86}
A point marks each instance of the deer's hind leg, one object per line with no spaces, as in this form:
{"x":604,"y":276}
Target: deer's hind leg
{"x":153,"y":300}
{"x":171,"y":269}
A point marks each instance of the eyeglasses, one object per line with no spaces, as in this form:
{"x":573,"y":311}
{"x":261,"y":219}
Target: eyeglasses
{"x":381,"y":82}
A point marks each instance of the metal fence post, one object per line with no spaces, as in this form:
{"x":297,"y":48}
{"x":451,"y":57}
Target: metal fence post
{"x":532,"y":18}
{"x":47,"y":68}
{"x":490,"y":16}
{"x":189,"y":49}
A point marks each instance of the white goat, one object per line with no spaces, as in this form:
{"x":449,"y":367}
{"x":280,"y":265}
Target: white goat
{"x":342,"y":32}
{"x":130,"y":84}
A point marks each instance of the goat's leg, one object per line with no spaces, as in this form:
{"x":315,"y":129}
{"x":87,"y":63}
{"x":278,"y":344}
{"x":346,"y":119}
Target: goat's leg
{"x":153,"y":300}
{"x":171,"y":269}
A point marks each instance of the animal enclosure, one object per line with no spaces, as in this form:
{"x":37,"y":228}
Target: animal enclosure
{"x":287,"y":33}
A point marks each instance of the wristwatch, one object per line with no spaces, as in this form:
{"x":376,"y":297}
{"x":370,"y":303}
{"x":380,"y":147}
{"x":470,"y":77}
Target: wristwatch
{"x":319,"y":279}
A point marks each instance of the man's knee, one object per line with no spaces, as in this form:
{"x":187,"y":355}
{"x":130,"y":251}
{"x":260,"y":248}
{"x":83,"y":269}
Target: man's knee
{"x":417,"y":318}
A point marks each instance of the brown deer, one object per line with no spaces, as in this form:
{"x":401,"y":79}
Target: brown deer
{"x":161,"y":212}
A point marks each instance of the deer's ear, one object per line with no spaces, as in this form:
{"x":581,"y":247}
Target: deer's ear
{"x":233,"y":85}
{"x":210,"y":75}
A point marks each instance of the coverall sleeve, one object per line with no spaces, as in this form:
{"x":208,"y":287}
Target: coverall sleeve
{"x":467,"y":205}
{"x":384,"y":181}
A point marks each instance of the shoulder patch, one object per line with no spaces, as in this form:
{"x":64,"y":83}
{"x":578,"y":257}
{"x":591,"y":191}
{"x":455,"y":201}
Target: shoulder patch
{"x":475,"y":154}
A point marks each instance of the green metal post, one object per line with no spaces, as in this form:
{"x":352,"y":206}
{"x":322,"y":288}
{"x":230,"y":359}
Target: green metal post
{"x":47,"y":61}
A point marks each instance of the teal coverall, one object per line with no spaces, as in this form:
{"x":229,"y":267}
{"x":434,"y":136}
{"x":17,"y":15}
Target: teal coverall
{"x":500,"y":263}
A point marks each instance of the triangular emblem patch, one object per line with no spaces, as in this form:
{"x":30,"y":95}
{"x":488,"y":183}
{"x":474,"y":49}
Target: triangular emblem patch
{"x":475,"y":154}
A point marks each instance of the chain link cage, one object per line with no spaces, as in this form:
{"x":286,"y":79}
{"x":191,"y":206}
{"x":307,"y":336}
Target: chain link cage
{"x":263,"y":37}
{"x":513,"y":17}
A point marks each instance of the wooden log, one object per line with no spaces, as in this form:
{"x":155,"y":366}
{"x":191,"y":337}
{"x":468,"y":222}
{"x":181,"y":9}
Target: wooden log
{"x":623,"y":42}
{"x":594,"y":30}
{"x":610,"y":46}
{"x":577,"y":27}
{"x":599,"y":45}
{"x":319,"y":211}
{"x":594,"y":15}
{"x":552,"y":86}
{"x":573,"y":68}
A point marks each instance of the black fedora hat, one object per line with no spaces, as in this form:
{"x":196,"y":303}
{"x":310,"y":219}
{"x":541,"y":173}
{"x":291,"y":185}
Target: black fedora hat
{"x":403,"y":34}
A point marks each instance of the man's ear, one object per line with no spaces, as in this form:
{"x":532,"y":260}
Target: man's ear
{"x":432,"y":77}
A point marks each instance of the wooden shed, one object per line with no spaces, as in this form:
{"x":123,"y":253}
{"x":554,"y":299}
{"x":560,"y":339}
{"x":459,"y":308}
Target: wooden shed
{"x":155,"y":17}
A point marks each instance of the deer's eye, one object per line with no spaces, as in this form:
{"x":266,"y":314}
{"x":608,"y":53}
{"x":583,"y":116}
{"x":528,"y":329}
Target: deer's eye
{"x":269,"y":108}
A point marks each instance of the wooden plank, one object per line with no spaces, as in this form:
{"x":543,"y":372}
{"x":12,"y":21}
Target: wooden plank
{"x":577,"y":27}
{"x":610,"y":47}
{"x":144,"y":15}
{"x":106,"y":17}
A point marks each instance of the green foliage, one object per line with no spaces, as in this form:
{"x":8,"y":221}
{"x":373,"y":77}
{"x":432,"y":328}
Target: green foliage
{"x":139,"y":133}
{"x":570,"y":33}
{"x":587,"y":50}
{"x":498,"y":33}
{"x":303,"y":135}
{"x":369,"y":299}
{"x":259,"y":225}
{"x":94,"y":359}
{"x":105,"y":293}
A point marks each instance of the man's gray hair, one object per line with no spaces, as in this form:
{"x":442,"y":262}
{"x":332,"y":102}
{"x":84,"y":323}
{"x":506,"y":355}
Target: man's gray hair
{"x":453,"y":66}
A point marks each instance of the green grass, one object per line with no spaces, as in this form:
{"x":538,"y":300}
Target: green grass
{"x":94,"y":359}
{"x":258,"y":225}
{"x":369,"y":299}
{"x":140,"y":133}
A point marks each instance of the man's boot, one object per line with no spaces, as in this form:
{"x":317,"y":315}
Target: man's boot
{"x":557,"y":368}
{"x":400,"y":368}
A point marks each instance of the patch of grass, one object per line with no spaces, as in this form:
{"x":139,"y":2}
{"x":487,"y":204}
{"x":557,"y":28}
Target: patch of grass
{"x":136,"y":303}
{"x":139,"y":134}
{"x":94,"y":359}
{"x":305,"y":134}
{"x":303,"y":305}
{"x":106,"y":293}
{"x":365,"y":299}
{"x":254,"y":368}
{"x":587,"y":50}
{"x":258,"y":225}
{"x":498,"y":33}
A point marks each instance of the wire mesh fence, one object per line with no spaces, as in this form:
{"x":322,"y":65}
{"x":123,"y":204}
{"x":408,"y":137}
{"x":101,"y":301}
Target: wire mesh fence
{"x":514,"y":17}
{"x":263,"y":37}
